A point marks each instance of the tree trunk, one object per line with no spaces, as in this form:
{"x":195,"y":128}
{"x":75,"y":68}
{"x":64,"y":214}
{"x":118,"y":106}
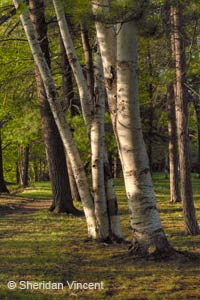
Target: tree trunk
{"x":85,"y":96}
{"x":97,"y":151}
{"x":84,"y":93}
{"x":197,"y":110}
{"x":25,"y":166}
{"x":68,"y":95}
{"x":88,"y":58}
{"x":148,"y":235}
{"x":181,"y":106}
{"x":61,"y":123}
{"x":173,"y":151}
{"x":172,"y":132}
{"x":73,"y":186}
{"x":17,"y":173}
{"x":67,"y":81}
{"x":151,"y":108}
{"x":3,"y":188}
{"x":62,"y":199}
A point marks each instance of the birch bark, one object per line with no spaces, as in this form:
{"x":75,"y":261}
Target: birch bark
{"x":97,"y":148}
{"x":61,"y":123}
{"x":145,"y":222}
{"x":88,"y":106}
{"x":148,"y":236}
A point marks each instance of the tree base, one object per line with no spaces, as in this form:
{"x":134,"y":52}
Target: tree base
{"x":151,"y":246}
{"x":4,"y":190}
{"x":72,"y":210}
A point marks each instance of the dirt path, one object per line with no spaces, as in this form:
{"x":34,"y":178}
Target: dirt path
{"x":13,"y":204}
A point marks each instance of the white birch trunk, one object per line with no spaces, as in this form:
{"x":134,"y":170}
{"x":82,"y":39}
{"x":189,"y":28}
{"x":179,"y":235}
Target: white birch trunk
{"x":61,"y":123}
{"x":97,"y":147}
{"x":89,"y":114}
{"x":148,"y":236}
{"x":145,"y":222}
{"x":106,"y":37}
{"x":84,"y":93}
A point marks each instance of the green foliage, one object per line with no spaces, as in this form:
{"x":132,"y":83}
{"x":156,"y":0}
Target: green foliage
{"x":22,"y":7}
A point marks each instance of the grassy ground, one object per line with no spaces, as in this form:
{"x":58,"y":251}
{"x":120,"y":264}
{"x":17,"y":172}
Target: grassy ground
{"x":38,"y":246}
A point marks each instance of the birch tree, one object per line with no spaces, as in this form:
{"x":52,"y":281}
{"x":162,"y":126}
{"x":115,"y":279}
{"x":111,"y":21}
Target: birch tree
{"x":60,"y":120}
{"x":123,"y":99}
{"x":89,"y":113}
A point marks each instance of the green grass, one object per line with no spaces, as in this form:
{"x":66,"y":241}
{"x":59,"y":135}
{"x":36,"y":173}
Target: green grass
{"x":37,"y":246}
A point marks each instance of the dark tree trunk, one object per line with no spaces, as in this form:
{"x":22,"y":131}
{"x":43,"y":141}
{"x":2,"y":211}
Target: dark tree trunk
{"x":62,"y":199}
{"x":88,"y":58}
{"x":197,"y":110}
{"x":36,"y":173}
{"x":25,"y":167}
{"x":181,"y":107}
{"x":68,"y":95}
{"x":67,"y":82}
{"x":17,"y":173}
{"x":172,"y":132}
{"x":151,"y":108}
{"x":73,"y":186}
{"x":173,"y":151}
{"x":3,"y":188}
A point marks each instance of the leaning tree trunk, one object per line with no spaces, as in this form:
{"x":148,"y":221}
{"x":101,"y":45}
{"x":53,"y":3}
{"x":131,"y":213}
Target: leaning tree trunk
{"x":61,"y":123}
{"x":3,"y":188}
{"x":88,"y":58}
{"x":85,"y":96}
{"x":181,"y":106}
{"x":62,"y":199}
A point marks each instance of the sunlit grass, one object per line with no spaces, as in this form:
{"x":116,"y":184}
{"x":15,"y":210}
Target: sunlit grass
{"x":37,"y":245}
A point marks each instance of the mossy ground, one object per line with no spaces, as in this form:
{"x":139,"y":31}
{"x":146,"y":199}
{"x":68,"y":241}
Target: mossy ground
{"x":37,"y":246}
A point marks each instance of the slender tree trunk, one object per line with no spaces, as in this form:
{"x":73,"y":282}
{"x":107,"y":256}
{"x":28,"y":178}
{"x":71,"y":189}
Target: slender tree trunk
{"x":3,"y":188}
{"x":17,"y":173}
{"x":88,"y":58}
{"x":172,"y":132}
{"x":181,"y":106}
{"x":62,"y":199}
{"x":25,"y":166}
{"x":97,"y":151}
{"x":68,"y":95}
{"x":67,"y":81}
{"x":73,"y":186}
{"x":173,"y":151}
{"x":151,"y":108}
{"x":35,"y":168}
{"x":197,"y":110}
{"x":84,"y":93}
{"x":61,"y":123}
